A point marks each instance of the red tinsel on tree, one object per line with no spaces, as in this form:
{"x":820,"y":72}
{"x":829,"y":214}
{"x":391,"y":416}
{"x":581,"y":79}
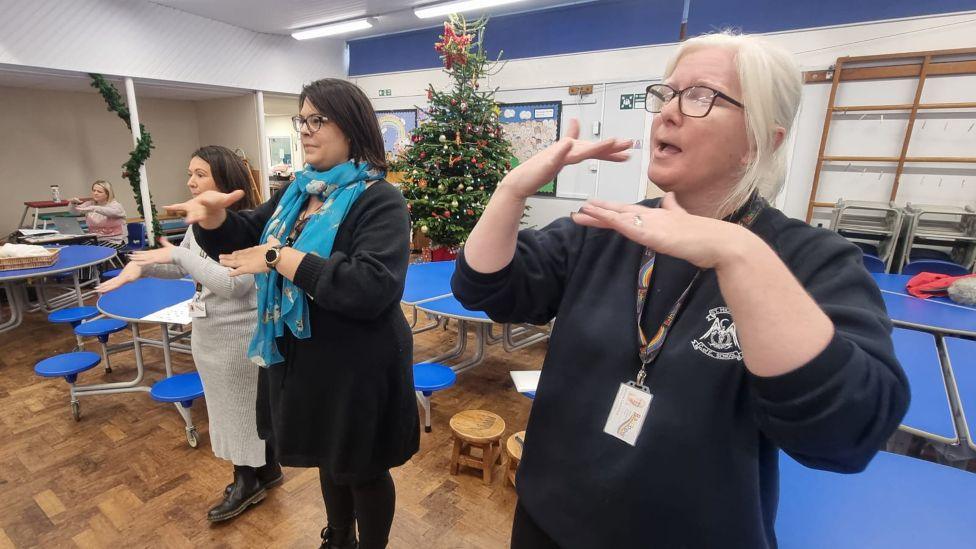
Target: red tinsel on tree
{"x":454,"y":47}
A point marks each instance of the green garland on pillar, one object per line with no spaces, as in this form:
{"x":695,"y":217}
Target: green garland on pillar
{"x":139,"y":155}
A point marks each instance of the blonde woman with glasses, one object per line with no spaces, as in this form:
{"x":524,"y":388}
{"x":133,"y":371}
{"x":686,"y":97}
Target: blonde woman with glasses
{"x":698,"y":335}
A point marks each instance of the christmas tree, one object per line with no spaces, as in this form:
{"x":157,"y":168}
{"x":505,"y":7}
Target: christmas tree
{"x":458,"y":155}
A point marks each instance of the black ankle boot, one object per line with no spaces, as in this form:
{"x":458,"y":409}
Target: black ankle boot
{"x":339,"y":538}
{"x":245,"y":491}
{"x":270,"y":475}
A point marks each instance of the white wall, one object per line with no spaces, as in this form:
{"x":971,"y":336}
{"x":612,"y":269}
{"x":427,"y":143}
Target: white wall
{"x":70,"y":139}
{"x":231,"y":122}
{"x":621,"y":69}
{"x":146,"y":40}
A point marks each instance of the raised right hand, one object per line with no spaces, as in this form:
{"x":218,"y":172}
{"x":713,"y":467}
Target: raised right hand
{"x":208,"y":209}
{"x":130,"y":273}
{"x":529,"y":176}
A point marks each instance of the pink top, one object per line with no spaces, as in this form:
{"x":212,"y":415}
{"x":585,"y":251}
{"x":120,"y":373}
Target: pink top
{"x":107,"y":221}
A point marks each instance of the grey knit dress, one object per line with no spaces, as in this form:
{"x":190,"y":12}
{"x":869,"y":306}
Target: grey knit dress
{"x":219,"y":342}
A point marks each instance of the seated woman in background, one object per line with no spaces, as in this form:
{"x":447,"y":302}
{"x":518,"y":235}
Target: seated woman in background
{"x":224,"y":320}
{"x":103,"y":214}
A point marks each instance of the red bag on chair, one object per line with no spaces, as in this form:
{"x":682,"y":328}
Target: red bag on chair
{"x":926,"y":285}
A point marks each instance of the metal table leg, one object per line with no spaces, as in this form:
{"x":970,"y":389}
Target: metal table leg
{"x":458,"y":349}
{"x":480,"y":336}
{"x":14,"y":302}
{"x":122,"y":386}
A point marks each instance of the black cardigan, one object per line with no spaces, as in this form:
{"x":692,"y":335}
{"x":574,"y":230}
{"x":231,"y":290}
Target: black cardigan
{"x":344,"y":398}
{"x":704,"y":472}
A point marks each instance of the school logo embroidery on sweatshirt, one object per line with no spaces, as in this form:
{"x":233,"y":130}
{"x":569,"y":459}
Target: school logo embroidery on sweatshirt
{"x":719,"y":341}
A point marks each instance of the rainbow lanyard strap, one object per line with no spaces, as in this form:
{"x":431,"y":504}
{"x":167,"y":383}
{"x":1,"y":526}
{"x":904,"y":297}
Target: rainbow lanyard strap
{"x":651,"y":348}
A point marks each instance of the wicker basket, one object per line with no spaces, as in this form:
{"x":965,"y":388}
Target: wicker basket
{"x":17,"y":263}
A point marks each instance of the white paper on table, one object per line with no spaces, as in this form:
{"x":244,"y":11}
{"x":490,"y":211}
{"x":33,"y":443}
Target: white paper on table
{"x":36,"y":232}
{"x":174,"y":314}
{"x":526,"y":380}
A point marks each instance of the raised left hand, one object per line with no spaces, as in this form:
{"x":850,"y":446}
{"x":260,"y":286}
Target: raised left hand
{"x":702,"y":241}
{"x":249,"y":260}
{"x":161,"y":256}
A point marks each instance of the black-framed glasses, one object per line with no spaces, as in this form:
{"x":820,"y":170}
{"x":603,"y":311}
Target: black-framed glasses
{"x":693,"y":101}
{"x":312,"y":122}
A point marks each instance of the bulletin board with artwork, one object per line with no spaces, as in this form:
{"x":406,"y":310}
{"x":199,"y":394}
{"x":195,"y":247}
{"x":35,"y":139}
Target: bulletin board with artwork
{"x":396,"y":127}
{"x":530,"y":128}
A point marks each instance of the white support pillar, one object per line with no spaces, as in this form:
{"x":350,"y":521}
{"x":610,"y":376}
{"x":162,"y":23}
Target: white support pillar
{"x":130,"y":96}
{"x":265,"y":147}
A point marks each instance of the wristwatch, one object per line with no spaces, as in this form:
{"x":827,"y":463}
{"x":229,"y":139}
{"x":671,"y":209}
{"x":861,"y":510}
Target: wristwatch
{"x":272,"y":256}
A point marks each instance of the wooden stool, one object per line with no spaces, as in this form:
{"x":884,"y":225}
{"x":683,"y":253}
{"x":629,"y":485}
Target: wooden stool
{"x":477,"y":429}
{"x":514,"y":450}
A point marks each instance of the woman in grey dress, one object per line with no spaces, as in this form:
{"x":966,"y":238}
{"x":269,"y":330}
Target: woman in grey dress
{"x":224,"y":311}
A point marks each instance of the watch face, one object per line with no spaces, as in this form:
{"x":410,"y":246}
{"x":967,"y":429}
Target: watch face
{"x":270,"y":255}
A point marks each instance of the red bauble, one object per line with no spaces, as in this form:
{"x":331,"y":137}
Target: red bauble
{"x":447,"y":213}
{"x":469,"y":212}
{"x":454,"y":101}
{"x":423,"y":155}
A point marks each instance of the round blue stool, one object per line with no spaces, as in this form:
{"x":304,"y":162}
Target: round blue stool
{"x":101,"y":328}
{"x":427,"y":378}
{"x":72,"y":315}
{"x":111,"y":274}
{"x":182,"y":389}
{"x":68,"y":366}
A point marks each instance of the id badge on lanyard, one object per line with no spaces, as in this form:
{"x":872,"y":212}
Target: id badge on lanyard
{"x":632,"y":404}
{"x":198,"y":309}
{"x":633,"y":401}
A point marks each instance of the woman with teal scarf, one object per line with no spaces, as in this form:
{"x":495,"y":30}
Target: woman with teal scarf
{"x":329,"y":255}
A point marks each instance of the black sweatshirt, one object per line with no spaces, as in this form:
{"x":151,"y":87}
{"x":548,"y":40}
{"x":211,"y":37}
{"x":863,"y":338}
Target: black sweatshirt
{"x":704,"y":471}
{"x":344,"y":398}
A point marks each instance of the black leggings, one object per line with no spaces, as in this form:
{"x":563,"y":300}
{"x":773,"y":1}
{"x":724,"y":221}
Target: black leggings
{"x":526,"y":534}
{"x":369,"y":503}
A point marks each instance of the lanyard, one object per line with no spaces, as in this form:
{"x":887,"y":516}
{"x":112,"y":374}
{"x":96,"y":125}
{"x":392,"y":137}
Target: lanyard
{"x":651,"y":348}
{"x":199,"y":287}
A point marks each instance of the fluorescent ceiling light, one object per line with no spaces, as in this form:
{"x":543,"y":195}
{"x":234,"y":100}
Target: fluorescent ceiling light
{"x":447,"y":8}
{"x":332,"y":29}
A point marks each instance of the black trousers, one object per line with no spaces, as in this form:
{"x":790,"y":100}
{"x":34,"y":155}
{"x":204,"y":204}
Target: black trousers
{"x":370,"y":504}
{"x":526,"y":534}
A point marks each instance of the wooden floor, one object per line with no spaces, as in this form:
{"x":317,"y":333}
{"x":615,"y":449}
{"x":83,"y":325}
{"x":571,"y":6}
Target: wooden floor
{"x":125,"y":476}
